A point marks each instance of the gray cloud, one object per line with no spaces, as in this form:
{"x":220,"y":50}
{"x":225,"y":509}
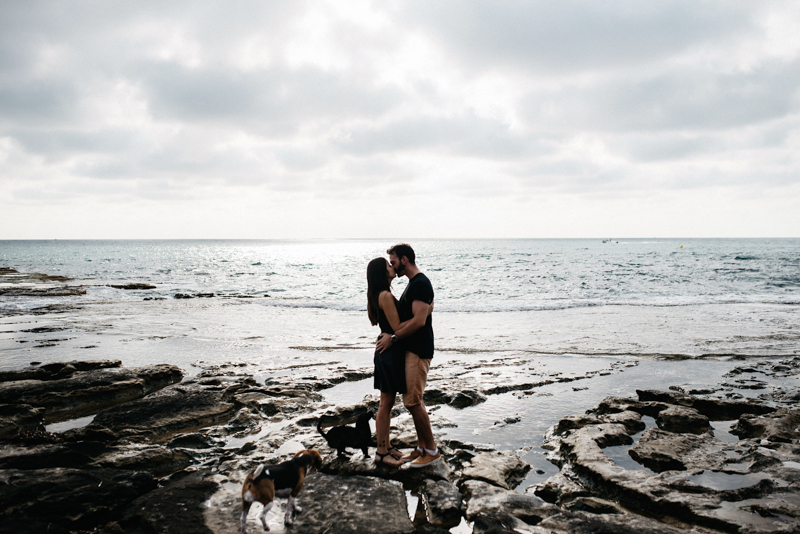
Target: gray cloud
{"x":276,"y":99}
{"x":465,"y":136}
{"x":576,"y":35}
{"x":448,"y":100}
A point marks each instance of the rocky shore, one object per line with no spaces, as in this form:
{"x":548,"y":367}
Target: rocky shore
{"x":156,"y":453}
{"x":15,"y":284}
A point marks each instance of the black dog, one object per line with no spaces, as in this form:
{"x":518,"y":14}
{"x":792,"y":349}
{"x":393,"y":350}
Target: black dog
{"x":342,"y":437}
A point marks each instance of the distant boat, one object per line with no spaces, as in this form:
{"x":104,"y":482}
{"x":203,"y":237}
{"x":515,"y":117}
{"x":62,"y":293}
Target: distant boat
{"x":609,"y":241}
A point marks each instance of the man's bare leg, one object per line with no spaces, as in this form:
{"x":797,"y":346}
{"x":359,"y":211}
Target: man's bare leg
{"x":422,"y":424}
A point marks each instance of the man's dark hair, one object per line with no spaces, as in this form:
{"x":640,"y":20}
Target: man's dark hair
{"x":402,"y":249}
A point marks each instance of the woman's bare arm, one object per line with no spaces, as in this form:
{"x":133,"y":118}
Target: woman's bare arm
{"x":386,"y":303}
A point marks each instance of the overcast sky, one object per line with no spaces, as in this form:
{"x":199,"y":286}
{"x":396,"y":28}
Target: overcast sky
{"x":497,"y":118}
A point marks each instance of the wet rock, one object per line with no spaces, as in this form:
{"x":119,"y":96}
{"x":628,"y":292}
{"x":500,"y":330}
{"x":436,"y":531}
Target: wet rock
{"x":782,"y":426}
{"x":714,"y":409}
{"x":55,"y":371}
{"x":593,"y":505}
{"x":161,"y":415}
{"x":87,"y":392}
{"x":156,"y":459}
{"x":682,"y":419}
{"x":560,"y":488}
{"x":664,"y":451}
{"x":458,"y":399}
{"x":443,"y":503}
{"x":505,"y":470}
{"x":43,"y":456}
{"x":70,"y":499}
{"x":631,"y":420}
{"x":177,"y":507}
{"x":575,"y":421}
{"x":703,"y":481}
{"x":55,"y":291}
{"x":362,"y":504}
{"x":16,"y":418}
{"x":516,"y":511}
{"x":194,"y":440}
{"x":358,"y":465}
{"x":590,"y":523}
{"x":132,"y":286}
{"x":493,"y":525}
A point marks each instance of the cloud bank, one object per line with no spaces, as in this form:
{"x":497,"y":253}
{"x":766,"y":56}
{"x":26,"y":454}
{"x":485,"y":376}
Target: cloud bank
{"x":425,"y":119}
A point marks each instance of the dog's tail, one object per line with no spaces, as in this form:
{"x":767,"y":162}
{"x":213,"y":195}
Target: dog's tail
{"x":319,"y":427}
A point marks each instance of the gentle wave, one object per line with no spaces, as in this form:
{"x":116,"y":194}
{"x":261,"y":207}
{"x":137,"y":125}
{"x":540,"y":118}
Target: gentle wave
{"x":21,"y":304}
{"x":468,"y":276}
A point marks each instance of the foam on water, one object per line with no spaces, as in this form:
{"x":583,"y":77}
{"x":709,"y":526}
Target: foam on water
{"x":468,"y":275}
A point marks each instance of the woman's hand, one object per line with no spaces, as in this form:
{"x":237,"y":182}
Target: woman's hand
{"x":430,"y":308}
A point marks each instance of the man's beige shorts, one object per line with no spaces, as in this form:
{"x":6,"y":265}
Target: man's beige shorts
{"x":416,"y":377}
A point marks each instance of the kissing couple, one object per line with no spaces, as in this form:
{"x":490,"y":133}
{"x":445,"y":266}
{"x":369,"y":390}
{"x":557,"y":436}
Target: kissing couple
{"x":403,"y":352}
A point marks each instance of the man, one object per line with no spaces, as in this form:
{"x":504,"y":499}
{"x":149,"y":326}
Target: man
{"x":416,"y":335}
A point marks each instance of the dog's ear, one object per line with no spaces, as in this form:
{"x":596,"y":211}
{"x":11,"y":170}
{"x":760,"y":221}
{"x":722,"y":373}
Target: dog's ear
{"x":258,"y":471}
{"x":317,"y":461}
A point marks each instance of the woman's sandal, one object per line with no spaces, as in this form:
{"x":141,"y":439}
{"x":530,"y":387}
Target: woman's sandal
{"x":396,"y":454}
{"x":381,"y":459}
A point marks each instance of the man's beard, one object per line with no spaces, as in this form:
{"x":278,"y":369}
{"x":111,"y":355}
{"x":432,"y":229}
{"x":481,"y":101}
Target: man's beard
{"x":400,"y":270}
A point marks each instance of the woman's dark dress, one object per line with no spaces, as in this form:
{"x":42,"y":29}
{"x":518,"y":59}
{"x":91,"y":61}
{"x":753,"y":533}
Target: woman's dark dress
{"x":390,"y":367}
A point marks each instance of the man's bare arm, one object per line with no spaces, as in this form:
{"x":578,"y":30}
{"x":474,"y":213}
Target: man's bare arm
{"x":420,"y":311}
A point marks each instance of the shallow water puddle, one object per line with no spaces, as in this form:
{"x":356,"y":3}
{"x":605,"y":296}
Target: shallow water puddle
{"x":720,"y":481}
{"x":758,"y":512}
{"x":620,"y":455}
{"x":236,"y":442}
{"x":63,"y":426}
{"x":412,"y":501}
{"x":348,"y":393}
{"x":722,"y":431}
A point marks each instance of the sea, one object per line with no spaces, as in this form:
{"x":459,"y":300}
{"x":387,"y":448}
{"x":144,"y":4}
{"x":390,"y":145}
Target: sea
{"x":627,"y":313}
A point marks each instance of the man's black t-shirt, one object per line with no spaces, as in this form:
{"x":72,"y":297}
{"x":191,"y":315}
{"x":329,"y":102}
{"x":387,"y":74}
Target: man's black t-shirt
{"x":421,"y":341}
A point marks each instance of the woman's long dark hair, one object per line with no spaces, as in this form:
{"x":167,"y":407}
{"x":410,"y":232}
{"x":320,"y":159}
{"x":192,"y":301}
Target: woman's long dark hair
{"x":377,"y":282}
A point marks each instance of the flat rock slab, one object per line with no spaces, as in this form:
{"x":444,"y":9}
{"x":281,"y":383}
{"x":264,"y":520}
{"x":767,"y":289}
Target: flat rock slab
{"x":41,"y":456}
{"x":513,"y":509}
{"x":175,"y":508}
{"x":16,"y":418}
{"x":505,"y":470}
{"x":69,"y":499}
{"x":87,"y":392}
{"x":783,"y":426}
{"x":160,"y":416}
{"x":589,"y":523}
{"x":362,"y":504}
{"x":661,"y":451}
{"x":682,"y":419}
{"x":410,"y":477}
{"x":749,"y":486}
{"x":443,"y":503}
{"x":56,"y":370}
{"x":155,"y":459}
{"x":714,"y":409}
{"x":331,"y":505}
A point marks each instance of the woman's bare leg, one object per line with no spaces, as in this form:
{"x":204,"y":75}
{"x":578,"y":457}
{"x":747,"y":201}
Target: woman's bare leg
{"x":383,"y":421}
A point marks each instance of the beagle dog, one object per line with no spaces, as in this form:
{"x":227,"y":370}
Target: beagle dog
{"x":283,"y":480}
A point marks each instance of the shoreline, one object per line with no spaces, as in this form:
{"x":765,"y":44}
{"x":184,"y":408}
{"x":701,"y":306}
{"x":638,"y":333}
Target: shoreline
{"x":205,"y":448}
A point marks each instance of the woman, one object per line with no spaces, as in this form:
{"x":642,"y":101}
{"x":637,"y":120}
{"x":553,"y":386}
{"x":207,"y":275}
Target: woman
{"x":390,"y":370}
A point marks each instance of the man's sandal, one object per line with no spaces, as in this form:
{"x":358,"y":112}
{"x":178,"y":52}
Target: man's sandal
{"x":381,"y":459}
{"x":395,"y":453}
